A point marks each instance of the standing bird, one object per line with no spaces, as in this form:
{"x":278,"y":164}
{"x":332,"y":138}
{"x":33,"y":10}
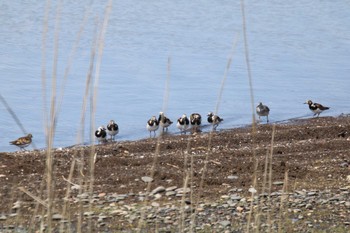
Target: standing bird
{"x":195,"y":120}
{"x":316,"y":108}
{"x":183,"y":123}
{"x":22,"y":141}
{"x":164,"y":121}
{"x":215,"y":120}
{"x":101,"y":134}
{"x":263,"y":110}
{"x":152,"y":125}
{"x":112,"y":129}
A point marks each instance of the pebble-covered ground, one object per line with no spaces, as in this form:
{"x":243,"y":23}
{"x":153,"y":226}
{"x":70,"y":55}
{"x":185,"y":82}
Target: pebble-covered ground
{"x":296,"y":179}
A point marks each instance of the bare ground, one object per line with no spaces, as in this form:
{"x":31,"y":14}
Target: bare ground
{"x":310,"y":155}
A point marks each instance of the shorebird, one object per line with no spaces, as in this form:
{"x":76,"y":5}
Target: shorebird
{"x":152,"y":125}
{"x":316,"y":108}
{"x":263,"y":110}
{"x":183,"y":123}
{"x":164,"y":122}
{"x":195,"y":120}
{"x":101,"y":134}
{"x":22,"y":142}
{"x":213,"y":119}
{"x":112,"y":129}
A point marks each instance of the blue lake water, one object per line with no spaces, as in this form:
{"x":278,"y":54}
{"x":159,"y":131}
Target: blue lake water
{"x":298,"y":50}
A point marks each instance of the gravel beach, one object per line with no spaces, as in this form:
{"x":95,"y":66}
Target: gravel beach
{"x":293,"y":179}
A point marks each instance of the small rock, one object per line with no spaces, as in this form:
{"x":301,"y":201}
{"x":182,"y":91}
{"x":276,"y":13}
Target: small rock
{"x":101,"y":195}
{"x":170,"y":193}
{"x":155,"y":204}
{"x":88,"y":213}
{"x":158,"y":190}
{"x":2,"y":218}
{"x":57,"y":217}
{"x":225,"y":223}
{"x":147,"y":179}
{"x":183,"y":190}
{"x":235,"y":197}
{"x":171,"y":188}
{"x":311,"y":193}
{"x":252,"y":190}
{"x":278,"y":183}
{"x":232,"y":177}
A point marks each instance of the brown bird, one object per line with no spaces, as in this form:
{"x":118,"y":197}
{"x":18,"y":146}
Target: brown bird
{"x":263,"y":110}
{"x":22,"y":141}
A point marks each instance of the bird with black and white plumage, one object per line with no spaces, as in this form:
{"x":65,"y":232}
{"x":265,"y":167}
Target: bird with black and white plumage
{"x":22,"y":142}
{"x":164,"y":122}
{"x":112,"y":129}
{"x":214,"y":120}
{"x":152,"y":125}
{"x":101,"y":134}
{"x":195,"y":121}
{"x":183,"y":123}
{"x":263,"y":110}
{"x":316,"y":108}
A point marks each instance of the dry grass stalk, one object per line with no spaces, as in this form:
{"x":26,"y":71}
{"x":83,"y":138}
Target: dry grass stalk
{"x":37,"y":199}
{"x":157,"y":151}
{"x":284,"y":199}
{"x":200,"y":191}
{"x":51,"y":126}
{"x":247,"y":60}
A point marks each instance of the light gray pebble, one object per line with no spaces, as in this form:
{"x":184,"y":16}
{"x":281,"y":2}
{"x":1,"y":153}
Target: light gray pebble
{"x":159,"y":189}
{"x":225,"y":223}
{"x":278,"y":183}
{"x":232,"y":177}
{"x":170,"y":193}
{"x":146,"y":179}
{"x":235,"y":197}
{"x":171,"y":188}
{"x":88,"y":213}
{"x":57,"y":217}
{"x":311,"y":193}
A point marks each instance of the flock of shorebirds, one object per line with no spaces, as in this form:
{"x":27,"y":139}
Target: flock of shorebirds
{"x":183,"y":124}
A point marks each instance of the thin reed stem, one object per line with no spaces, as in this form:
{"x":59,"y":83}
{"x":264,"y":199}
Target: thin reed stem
{"x":156,"y":153}
{"x":14,"y":116}
{"x":284,"y":198}
{"x":51,"y":130}
{"x":228,"y":66}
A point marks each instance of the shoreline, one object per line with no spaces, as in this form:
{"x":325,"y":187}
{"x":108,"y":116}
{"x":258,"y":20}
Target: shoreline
{"x":294,"y":120}
{"x":310,"y":164}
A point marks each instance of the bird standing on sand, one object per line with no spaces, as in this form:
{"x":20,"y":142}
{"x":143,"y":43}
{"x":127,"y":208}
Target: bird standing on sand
{"x":164,"y":122}
{"x":316,"y":108}
{"x":22,"y":142}
{"x":152,"y":125}
{"x":215,"y":120}
{"x":183,"y":123}
{"x":263,"y":110}
{"x":195,"y":120}
{"x":112,"y":129}
{"x":101,"y":134}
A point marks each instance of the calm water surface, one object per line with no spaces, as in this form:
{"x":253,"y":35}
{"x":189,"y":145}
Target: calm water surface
{"x":298,"y":50}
